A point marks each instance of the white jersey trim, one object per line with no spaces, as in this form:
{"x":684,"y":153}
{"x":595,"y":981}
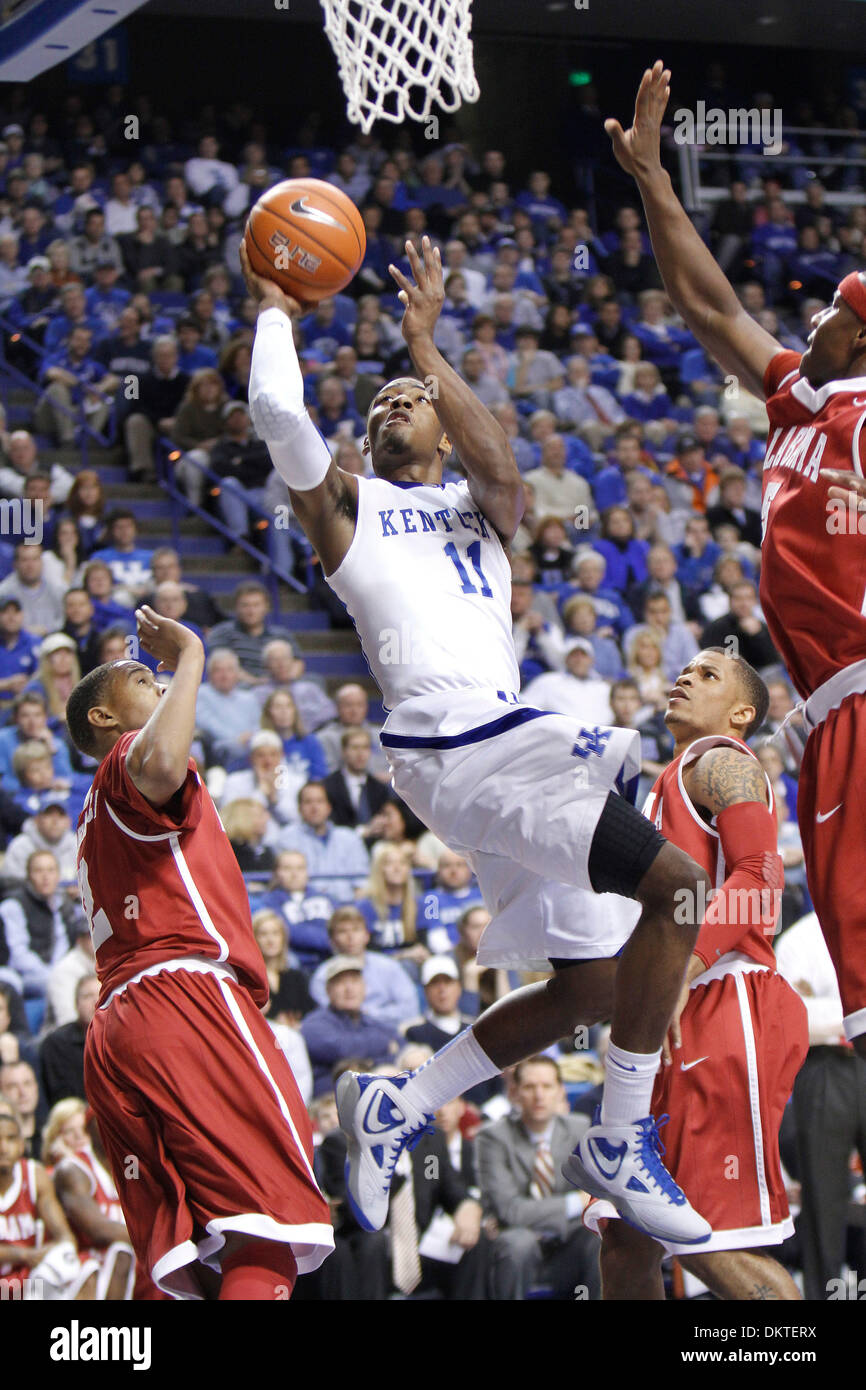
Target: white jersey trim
{"x":196,"y":898}
{"x":754,"y":1099}
{"x":196,"y":965}
{"x":855,"y":1024}
{"x":814,"y":401}
{"x":13,"y":1192}
{"x":133,"y":834}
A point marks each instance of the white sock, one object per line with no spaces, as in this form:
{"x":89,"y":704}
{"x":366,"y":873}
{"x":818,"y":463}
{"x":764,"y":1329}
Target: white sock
{"x":455,"y":1068}
{"x":629,"y":1078}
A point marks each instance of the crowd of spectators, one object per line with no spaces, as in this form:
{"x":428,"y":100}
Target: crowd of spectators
{"x":120,"y":297}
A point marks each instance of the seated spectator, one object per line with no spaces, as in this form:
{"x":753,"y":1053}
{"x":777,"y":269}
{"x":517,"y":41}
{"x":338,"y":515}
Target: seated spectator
{"x":356,"y":796}
{"x":129,"y":562}
{"x":111,"y":605}
{"x":303,"y":756}
{"x":588,"y":573}
{"x":24,"y":462}
{"x":87,"y":1194}
{"x":30,"y":721}
{"x":170,"y":600}
{"x":93,"y":245}
{"x":160,"y":392}
{"x":226,"y":714}
{"x":67,"y":544}
{"x":290,"y":994}
{"x":268,"y":780}
{"x":85,"y":505}
{"x":18,"y":648}
{"x":624,"y":555}
{"x":200,"y":607}
{"x":57,"y":673}
{"x":396,"y":826}
{"x":541,"y":1237}
{"x":342,"y":1028}
{"x":784,"y":785}
{"x":197,"y":428}
{"x":678,"y":643}
{"x":352,"y":708}
{"x":193,"y":356}
{"x":390,"y":906}
{"x":149,"y":258}
{"x":235,"y":362}
{"x":696,"y":558}
{"x":40,"y":924}
{"x":48,"y":825}
{"x":743,"y":630}
{"x":629,"y":712}
{"x":306,"y":914}
{"x":715,"y":601}
{"x":649,"y":402}
{"x":454,"y":890}
{"x":64,"y":976}
{"x":62,"y":1050}
{"x":662,"y":341}
{"x":77,"y":389}
{"x":580,"y":405}
{"x":551,"y":551}
{"x":389,"y":993}
{"x":538,"y":642}
{"x":661,"y":576}
{"x":611,"y":483}
{"x":533,"y":374}
{"x":644,"y":659}
{"x":65,"y":1131}
{"x":105,"y":299}
{"x":246,"y":824}
{"x":689,"y":479}
{"x":284,"y":670}
{"x":19,"y":1087}
{"x":581,"y":620}
{"x":16,"y":1041}
{"x":731,"y":509}
{"x":577,"y":690}
{"x":442,"y":1018}
{"x":560,"y":492}
{"x":793,"y":734}
{"x":125,"y":353}
{"x":249,"y":631}
{"x":337,"y":858}
{"x":488,"y":388}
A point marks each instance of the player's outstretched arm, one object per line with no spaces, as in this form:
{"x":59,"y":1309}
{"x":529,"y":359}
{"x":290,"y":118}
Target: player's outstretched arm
{"x":697,"y":288}
{"x":158,"y":756}
{"x":481,"y":442}
{"x":80,"y":1208}
{"x":324,"y":499}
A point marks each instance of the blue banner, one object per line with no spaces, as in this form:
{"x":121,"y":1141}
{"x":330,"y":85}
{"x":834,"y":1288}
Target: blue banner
{"x":103,"y":61}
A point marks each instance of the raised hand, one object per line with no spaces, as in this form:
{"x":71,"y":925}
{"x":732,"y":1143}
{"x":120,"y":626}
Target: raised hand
{"x":422,"y":300}
{"x":638,"y":148}
{"x":267,"y":292}
{"x":163,"y":637}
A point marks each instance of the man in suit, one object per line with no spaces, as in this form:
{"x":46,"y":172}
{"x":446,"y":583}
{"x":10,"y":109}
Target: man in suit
{"x":355,"y":796}
{"x":541,"y":1238}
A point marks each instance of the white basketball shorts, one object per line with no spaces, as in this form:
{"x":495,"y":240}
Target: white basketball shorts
{"x":519,"y":793}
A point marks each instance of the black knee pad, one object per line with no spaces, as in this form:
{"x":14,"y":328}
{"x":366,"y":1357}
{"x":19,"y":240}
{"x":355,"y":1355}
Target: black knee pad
{"x":623,"y":847}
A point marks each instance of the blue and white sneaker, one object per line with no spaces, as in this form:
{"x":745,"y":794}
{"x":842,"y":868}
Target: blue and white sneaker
{"x":623,"y":1164}
{"x":379,"y":1124}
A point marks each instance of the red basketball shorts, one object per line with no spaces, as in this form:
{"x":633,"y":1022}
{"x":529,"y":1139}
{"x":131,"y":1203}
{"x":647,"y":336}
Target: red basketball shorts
{"x":744,"y":1038}
{"x":831,"y":810}
{"x":203,"y":1126}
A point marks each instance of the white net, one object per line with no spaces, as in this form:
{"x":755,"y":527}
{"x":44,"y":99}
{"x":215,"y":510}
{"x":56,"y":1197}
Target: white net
{"x":399,"y":57}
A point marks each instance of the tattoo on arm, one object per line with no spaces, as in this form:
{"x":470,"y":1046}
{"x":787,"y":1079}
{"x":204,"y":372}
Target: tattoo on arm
{"x":722,"y":777}
{"x":764,"y":1292}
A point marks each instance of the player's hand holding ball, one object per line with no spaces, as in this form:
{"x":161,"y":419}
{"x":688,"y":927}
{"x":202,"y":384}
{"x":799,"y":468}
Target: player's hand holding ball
{"x":422,"y":301}
{"x":267,"y":293}
{"x":164,"y":638}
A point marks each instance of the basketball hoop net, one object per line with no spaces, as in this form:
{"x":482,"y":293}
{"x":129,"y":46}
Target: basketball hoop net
{"x":397,"y":57}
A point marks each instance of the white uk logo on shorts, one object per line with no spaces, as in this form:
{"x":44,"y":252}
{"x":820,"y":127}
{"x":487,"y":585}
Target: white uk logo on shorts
{"x":77,"y":1343}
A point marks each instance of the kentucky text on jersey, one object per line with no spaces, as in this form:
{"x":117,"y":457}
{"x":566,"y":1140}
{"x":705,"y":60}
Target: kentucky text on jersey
{"x":427,"y":521}
{"x":800,"y":447}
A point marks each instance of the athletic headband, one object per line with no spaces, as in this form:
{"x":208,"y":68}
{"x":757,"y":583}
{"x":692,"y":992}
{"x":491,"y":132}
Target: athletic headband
{"x":853,"y":291}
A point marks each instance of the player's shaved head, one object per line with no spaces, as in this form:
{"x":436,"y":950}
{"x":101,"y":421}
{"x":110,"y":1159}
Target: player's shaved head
{"x":99,"y":689}
{"x":753,"y":688}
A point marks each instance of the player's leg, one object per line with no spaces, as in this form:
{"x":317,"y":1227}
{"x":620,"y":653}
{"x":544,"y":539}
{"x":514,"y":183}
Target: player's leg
{"x":741,"y":1274}
{"x":257,"y":1270}
{"x":631,"y":1265}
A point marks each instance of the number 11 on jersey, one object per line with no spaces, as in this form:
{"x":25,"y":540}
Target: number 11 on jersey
{"x":473,"y":553}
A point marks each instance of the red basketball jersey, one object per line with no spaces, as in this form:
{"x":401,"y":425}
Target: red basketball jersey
{"x":102,"y":1190}
{"x":19,"y":1215}
{"x":159,"y":884}
{"x":813,"y":568}
{"x":672,"y":811}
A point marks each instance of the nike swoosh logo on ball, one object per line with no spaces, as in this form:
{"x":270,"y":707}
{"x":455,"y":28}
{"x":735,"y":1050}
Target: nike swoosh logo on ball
{"x":299,"y":206}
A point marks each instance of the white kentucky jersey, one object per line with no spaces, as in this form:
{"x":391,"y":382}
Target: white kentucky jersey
{"x":428,"y":586}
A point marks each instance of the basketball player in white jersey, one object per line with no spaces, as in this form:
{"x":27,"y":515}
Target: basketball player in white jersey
{"x":529,"y":797}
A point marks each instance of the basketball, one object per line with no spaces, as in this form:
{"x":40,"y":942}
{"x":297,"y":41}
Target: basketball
{"x":307,"y":236}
